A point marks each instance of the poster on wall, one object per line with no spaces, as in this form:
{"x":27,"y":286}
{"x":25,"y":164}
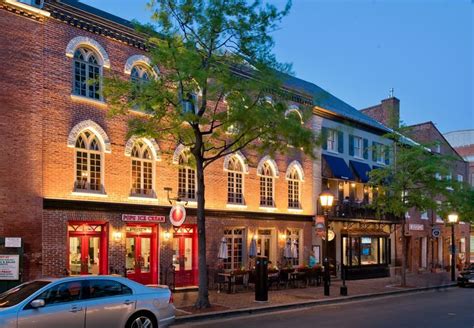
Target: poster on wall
{"x":9,"y":267}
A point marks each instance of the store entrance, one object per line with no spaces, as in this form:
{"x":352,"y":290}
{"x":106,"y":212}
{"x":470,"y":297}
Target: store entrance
{"x":87,"y":248}
{"x":141,"y":260}
{"x":185,"y":256}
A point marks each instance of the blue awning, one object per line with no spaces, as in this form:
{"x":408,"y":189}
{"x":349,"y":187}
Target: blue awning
{"x":338,"y":167}
{"x":361,"y":169}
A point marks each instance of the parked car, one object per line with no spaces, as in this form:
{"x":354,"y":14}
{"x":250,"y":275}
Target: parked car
{"x":86,"y":301}
{"x":466,"y":277}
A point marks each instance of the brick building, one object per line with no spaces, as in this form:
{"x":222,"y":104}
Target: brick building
{"x":424,"y":250}
{"x":85,"y":199}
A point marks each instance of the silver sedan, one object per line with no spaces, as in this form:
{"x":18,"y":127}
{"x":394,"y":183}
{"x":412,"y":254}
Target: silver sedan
{"x":86,"y":301}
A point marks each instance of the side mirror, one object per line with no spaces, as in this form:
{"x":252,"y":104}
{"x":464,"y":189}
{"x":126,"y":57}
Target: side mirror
{"x":37,"y":303}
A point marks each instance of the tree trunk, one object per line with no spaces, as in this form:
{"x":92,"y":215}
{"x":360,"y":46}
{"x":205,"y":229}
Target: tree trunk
{"x":403,"y":281}
{"x":203,"y":293}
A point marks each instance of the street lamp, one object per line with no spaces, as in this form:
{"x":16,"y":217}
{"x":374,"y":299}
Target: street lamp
{"x":326,"y":199}
{"x":453,"y":219}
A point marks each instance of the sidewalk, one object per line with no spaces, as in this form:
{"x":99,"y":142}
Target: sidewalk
{"x":244,"y":299}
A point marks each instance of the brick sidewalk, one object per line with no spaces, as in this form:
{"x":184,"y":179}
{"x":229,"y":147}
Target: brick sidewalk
{"x":245,"y":298}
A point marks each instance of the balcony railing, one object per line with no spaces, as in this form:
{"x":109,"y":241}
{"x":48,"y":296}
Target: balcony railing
{"x":355,"y":211}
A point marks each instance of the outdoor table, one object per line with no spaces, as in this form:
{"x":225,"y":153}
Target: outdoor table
{"x":230,"y":276}
{"x":296,"y":275}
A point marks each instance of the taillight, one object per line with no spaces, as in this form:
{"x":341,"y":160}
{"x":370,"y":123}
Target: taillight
{"x":171,"y":300}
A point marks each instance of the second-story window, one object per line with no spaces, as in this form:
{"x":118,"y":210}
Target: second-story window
{"x":266,"y":185}
{"x":358,"y":147}
{"x":186,"y":178}
{"x":88,"y":163}
{"x":87,"y":74}
{"x":332,"y":140}
{"x":294,"y":182}
{"x":235,"y":182}
{"x":378,"y":153}
{"x":142,"y":170}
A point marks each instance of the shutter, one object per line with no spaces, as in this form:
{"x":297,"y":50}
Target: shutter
{"x":324,"y":137}
{"x":365,"y":150}
{"x":351,"y":145}
{"x":374,"y":151}
{"x":340,"y":142}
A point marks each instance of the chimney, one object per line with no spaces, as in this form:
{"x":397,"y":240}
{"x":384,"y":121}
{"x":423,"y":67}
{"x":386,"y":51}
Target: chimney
{"x":387,"y":112}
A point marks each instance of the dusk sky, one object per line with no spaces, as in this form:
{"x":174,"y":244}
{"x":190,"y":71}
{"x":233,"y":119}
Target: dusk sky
{"x":359,"y":49}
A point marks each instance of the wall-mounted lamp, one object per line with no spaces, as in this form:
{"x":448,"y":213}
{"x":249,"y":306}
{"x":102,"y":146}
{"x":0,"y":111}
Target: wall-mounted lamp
{"x":166,"y":235}
{"x":366,"y":190}
{"x":353,"y":185}
{"x":117,"y":235}
{"x":341,"y":186}
{"x":283,"y":236}
{"x":171,"y":199}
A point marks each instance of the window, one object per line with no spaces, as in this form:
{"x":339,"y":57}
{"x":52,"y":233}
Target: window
{"x":365,"y":250}
{"x":235,"y":181}
{"x":332,"y":140}
{"x":438,"y":147}
{"x":88,"y":162}
{"x":358,"y":147}
{"x":379,"y":152}
{"x":107,"y":288}
{"x":266,"y":185}
{"x":186,"y":178}
{"x":20,"y":293}
{"x":70,"y":291}
{"x":460,"y":178}
{"x":139,"y":74}
{"x":142,"y":170}
{"x":87,"y":72}
{"x":293,"y":236}
{"x":424,"y":215}
{"x":190,"y":103}
{"x":294,"y":181}
{"x":235,"y":242}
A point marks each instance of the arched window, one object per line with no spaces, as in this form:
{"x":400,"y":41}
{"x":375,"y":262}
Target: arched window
{"x":142,"y":170}
{"x":186,"y":178}
{"x":88,"y":162}
{"x":87,"y":72}
{"x":267,"y":177}
{"x":294,"y":183}
{"x":139,"y":74}
{"x":235,"y":181}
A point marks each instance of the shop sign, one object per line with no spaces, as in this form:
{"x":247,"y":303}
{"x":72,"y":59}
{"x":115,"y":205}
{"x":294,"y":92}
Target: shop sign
{"x":436,"y":232}
{"x":177,"y":215}
{"x":12,"y":242}
{"x":143,"y":218}
{"x":9,"y":267}
{"x":416,"y":227}
{"x":320,"y":227}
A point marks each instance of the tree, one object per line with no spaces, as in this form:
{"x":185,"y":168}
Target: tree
{"x":212,"y":96}
{"x":409,"y":182}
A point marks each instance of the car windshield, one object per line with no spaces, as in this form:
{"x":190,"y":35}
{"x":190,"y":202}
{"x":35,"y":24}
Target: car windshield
{"x":16,"y":295}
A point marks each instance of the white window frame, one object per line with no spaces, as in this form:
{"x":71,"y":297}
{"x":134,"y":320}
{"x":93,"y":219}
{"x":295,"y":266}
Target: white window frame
{"x":358,"y":147}
{"x":264,"y":179}
{"x":332,"y":142}
{"x":187,"y":171}
{"x":235,"y":180}
{"x":88,"y":151}
{"x":295,"y":234}
{"x":380,"y":153}
{"x":142,"y":160}
{"x":230,"y":246}
{"x":88,"y":66}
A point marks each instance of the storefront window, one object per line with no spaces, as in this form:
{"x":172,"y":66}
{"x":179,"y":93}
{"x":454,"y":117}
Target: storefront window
{"x":355,"y":251}
{"x":369,"y":250}
{"x":234,"y":259}
{"x":365,"y":250}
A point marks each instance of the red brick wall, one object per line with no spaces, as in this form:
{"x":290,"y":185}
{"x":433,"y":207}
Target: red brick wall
{"x":21,"y":109}
{"x":387,"y":112}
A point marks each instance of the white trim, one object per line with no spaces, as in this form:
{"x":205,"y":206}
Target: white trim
{"x":178,"y":152}
{"x":29,"y":8}
{"x":297,"y":165}
{"x":143,"y":199}
{"x":79,"y":41}
{"x":267,"y":208}
{"x":88,"y":100}
{"x":137,"y":60}
{"x":94,"y":128}
{"x":151,"y":143}
{"x":295,"y":210}
{"x":294,"y":109}
{"x":240,"y":157}
{"x":89,"y":194}
{"x":236,"y":206}
{"x":272,"y":163}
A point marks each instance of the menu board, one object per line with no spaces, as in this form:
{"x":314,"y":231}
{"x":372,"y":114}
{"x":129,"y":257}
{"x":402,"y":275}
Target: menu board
{"x":9,"y":267}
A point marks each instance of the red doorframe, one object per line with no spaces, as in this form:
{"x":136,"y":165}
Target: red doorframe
{"x":187,"y":277}
{"x":103,"y":243}
{"x":152,"y":276}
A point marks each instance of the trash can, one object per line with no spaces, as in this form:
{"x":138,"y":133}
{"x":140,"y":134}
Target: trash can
{"x":261,"y":279}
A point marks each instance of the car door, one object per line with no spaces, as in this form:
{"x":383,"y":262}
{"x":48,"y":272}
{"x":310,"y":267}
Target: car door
{"x":63,"y":308}
{"x":109,"y":303}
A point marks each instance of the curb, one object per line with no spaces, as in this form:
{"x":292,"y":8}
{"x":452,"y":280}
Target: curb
{"x":296,"y":305}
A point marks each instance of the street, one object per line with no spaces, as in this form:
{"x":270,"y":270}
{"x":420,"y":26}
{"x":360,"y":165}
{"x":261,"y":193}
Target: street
{"x":446,"y":308}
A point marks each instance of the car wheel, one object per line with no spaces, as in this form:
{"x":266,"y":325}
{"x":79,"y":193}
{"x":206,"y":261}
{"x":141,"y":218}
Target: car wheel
{"x":461,"y":284}
{"x":142,"y":320}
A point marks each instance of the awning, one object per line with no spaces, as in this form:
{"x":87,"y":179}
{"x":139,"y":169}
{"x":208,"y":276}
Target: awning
{"x":361,"y":169}
{"x":338,"y":167}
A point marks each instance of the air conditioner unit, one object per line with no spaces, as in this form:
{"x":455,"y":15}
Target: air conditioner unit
{"x":34,"y":3}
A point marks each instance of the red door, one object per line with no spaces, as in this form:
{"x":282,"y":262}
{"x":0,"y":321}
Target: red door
{"x":185,"y":256}
{"x":141,"y":260}
{"x":87,"y":248}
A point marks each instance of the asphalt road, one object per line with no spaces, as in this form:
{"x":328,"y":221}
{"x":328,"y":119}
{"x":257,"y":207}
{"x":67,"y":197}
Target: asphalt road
{"x":452,"y":308}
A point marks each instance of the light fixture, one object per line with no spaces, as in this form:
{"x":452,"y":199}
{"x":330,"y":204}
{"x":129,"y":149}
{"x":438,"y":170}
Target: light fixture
{"x":453,"y":218}
{"x":117,"y":235}
{"x":166,"y":235}
{"x":353,"y":185}
{"x":326,"y":198}
{"x":366,"y":190}
{"x":283,"y":236}
{"x":341,"y":186}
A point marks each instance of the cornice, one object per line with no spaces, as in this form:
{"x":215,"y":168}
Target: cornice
{"x":24,"y":10}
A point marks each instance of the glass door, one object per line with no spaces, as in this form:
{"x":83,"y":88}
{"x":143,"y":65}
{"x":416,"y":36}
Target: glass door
{"x":185,"y":256}
{"x":141,"y":261}
{"x":84,"y":254}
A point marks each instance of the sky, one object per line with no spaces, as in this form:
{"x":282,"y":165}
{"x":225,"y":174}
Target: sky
{"x":359,"y":49}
